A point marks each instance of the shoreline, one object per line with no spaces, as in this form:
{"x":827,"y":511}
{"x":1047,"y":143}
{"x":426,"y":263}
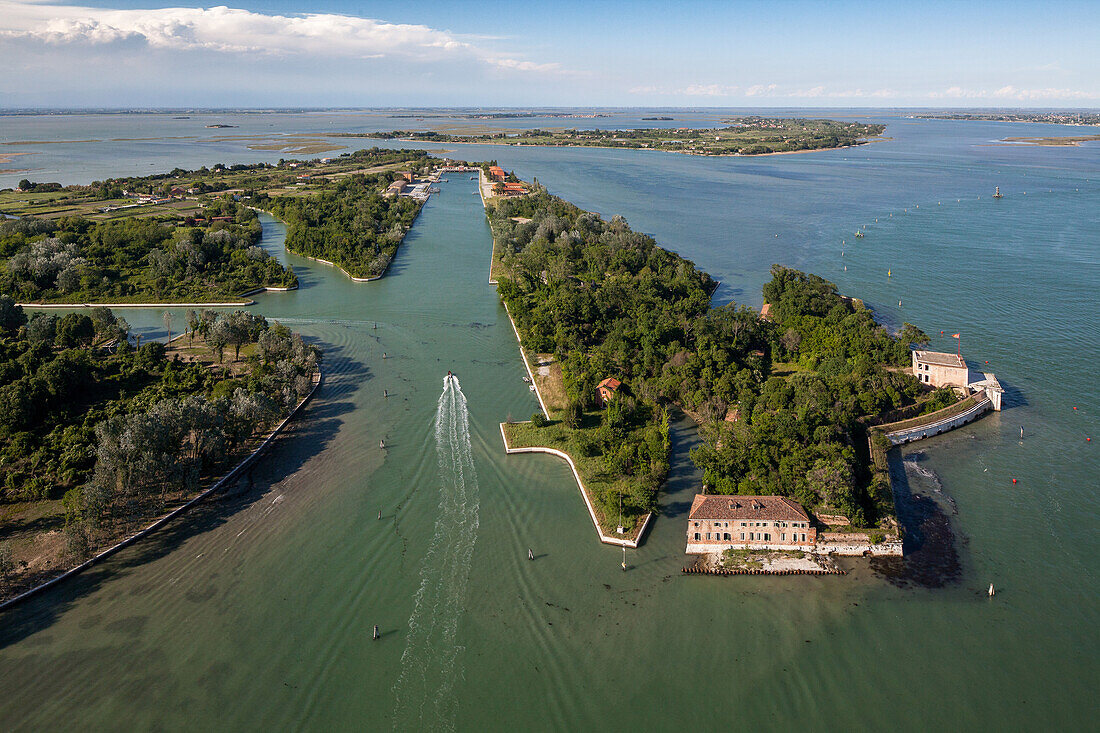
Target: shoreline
{"x":143,"y":305}
{"x":648,"y":150}
{"x":351,"y":277}
{"x":604,"y":538}
{"x":231,"y":475}
{"x":508,"y":450}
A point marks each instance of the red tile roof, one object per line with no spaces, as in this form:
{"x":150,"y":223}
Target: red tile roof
{"x":721,"y":506}
{"x":611,"y":383}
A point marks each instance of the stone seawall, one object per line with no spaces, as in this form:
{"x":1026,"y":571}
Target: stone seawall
{"x":605,"y":538}
{"x":935,"y":427}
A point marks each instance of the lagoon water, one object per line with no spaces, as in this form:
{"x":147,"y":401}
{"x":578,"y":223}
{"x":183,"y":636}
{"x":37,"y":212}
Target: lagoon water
{"x":257,"y":610}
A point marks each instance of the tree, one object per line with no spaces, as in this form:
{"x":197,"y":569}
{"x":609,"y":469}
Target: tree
{"x":75,"y":330}
{"x":574,"y":415}
{"x":42,"y":328}
{"x":913,"y":336}
{"x":218,"y":336}
{"x":11,"y":315}
{"x":192,"y":325}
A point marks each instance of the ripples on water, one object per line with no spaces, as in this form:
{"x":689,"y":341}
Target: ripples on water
{"x":424,"y":691}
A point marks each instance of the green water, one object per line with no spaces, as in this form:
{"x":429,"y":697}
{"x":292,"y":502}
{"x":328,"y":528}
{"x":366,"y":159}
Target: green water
{"x":256,"y":611}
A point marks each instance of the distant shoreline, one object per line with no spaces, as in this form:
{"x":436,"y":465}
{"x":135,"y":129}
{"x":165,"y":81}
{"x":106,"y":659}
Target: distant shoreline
{"x":646,"y":150}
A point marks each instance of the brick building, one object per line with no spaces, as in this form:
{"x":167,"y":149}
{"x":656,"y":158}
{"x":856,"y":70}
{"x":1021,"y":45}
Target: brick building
{"x":718,"y":522}
{"x":938,"y":369}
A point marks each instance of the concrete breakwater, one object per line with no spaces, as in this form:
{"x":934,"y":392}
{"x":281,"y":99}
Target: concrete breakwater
{"x":220,"y":484}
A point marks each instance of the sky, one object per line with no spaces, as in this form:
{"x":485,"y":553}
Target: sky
{"x":554,"y":53}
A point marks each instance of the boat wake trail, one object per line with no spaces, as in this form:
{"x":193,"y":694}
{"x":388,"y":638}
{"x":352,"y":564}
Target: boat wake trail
{"x":424,"y":691}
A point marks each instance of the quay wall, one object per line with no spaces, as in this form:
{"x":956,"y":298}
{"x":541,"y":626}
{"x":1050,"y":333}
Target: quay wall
{"x":935,"y":427}
{"x":605,"y":538}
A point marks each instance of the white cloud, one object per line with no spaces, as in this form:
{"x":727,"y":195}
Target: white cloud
{"x":231,"y":30}
{"x":707,"y":90}
{"x":761,"y":90}
{"x":1015,"y":94}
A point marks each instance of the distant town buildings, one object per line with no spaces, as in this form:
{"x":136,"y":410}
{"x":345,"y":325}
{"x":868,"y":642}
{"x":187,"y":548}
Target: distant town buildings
{"x":718,"y":522}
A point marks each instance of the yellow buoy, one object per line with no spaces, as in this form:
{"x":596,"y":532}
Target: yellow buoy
{"x":888,"y":273}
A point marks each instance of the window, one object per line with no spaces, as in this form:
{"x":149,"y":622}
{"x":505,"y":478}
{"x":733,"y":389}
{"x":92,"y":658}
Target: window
{"x":783,"y":536}
{"x":696,"y":536}
{"x":803,"y":536}
{"x":767,"y":537}
{"x":742,"y":524}
{"x":726,"y":536}
{"x":742,"y":535}
{"x":708,"y":535}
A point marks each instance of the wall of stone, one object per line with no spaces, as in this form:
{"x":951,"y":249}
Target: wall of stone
{"x":908,"y":435}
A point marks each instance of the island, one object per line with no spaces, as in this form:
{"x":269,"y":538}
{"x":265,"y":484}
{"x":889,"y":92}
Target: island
{"x":791,"y":401}
{"x":742,"y":136}
{"x":192,"y":236}
{"x":1068,"y":140}
{"x":102,"y":439}
{"x":1080,"y":117}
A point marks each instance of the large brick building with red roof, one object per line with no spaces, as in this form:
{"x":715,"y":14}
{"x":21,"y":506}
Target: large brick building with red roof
{"x":718,"y":522}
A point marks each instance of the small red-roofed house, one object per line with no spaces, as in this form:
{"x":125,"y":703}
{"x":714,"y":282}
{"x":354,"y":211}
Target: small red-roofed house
{"x":606,"y":390}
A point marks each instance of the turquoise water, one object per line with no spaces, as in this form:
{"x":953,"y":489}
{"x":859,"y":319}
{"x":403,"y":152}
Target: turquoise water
{"x":258,"y":610}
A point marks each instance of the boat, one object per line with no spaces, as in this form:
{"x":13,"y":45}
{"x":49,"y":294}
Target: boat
{"x":382,"y":443}
{"x":997,"y":193}
{"x":449,"y":373}
{"x":859,"y":235}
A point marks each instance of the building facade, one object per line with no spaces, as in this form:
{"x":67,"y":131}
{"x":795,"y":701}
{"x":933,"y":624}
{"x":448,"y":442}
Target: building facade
{"x":607,"y":389}
{"x":938,"y":369}
{"x":719,"y":522}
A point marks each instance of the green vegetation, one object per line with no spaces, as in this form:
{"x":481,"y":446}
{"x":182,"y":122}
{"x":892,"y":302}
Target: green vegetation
{"x":607,"y":301}
{"x":192,"y":235}
{"x":97,"y":437}
{"x":349,"y":222}
{"x":743,"y":136}
{"x":1053,"y":118}
{"x":75,"y":260}
{"x":621,"y":451}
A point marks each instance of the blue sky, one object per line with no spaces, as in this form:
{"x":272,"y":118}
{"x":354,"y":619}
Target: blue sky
{"x":418,"y":52}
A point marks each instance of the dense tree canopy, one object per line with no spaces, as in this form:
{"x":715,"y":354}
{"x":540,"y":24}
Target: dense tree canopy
{"x":163,"y":258}
{"x":349,"y":223}
{"x":795,"y":387}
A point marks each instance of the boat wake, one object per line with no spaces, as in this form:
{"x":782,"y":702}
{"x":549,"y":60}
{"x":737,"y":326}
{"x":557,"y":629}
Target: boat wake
{"x":424,"y":691}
